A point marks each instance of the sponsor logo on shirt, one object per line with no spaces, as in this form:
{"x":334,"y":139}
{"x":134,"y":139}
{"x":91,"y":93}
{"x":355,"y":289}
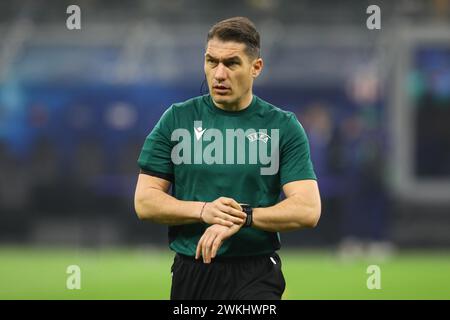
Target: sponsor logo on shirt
{"x":198,"y":132}
{"x":234,"y":146}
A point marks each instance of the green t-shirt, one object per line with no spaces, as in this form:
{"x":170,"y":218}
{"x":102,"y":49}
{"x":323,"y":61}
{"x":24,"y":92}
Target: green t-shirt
{"x":247,"y":155}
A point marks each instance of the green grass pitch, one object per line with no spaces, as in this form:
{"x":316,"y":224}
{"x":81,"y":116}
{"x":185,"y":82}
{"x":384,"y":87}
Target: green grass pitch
{"x":39,"y":273}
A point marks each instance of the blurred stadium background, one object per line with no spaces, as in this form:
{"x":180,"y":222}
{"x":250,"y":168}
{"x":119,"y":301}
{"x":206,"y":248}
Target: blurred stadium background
{"x":76,"y":106}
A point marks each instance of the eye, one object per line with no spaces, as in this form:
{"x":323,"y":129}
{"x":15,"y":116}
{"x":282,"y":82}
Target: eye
{"x":232,"y":63}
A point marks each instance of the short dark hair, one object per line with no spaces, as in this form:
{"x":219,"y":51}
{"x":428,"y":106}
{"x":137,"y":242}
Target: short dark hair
{"x":238,"y":29}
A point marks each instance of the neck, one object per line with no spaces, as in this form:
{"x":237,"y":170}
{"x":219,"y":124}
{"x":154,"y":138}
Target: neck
{"x":239,"y":105}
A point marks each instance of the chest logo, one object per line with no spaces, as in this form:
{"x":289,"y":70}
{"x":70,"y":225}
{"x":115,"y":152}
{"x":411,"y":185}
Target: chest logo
{"x":198,"y":132}
{"x":261,"y":136}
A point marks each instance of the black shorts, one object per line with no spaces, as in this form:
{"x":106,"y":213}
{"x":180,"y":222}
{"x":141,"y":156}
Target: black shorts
{"x":243,"y":278}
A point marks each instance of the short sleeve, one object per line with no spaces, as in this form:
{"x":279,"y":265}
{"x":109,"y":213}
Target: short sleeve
{"x":155,"y":157}
{"x":295,"y":162}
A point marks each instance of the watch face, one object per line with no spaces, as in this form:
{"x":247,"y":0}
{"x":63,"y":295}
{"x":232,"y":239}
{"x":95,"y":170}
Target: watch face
{"x":245,"y":207}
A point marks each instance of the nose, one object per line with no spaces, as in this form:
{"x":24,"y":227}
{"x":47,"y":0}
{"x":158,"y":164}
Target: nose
{"x":221,"y":73}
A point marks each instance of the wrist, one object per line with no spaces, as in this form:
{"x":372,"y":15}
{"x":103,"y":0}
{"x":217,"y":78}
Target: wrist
{"x":201,"y":212}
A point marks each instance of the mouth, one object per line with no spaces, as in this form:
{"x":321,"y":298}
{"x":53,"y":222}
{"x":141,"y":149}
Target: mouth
{"x":221,"y":89}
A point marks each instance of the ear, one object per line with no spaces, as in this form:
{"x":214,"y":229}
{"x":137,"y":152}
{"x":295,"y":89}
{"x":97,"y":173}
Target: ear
{"x":257,"y":67}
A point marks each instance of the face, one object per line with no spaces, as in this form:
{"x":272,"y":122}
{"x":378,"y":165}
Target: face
{"x":230,"y":73}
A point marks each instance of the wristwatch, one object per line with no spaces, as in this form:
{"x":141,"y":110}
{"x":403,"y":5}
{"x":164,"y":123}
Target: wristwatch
{"x":249,"y":211}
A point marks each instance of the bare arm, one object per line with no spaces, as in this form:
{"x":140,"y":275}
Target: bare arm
{"x":152,"y":202}
{"x":300,"y":209}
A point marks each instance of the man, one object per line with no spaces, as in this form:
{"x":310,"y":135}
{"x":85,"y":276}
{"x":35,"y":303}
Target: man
{"x":225,"y":153}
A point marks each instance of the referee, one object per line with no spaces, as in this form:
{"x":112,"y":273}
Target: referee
{"x":227,"y":155}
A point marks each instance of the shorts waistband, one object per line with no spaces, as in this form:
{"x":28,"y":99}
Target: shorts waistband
{"x":233,"y":259}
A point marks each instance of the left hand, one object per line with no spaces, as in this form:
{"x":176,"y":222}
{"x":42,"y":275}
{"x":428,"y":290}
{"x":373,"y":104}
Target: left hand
{"x":212,"y":239}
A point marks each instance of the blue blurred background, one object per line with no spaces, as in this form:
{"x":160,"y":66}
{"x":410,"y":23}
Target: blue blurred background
{"x":76,"y":106}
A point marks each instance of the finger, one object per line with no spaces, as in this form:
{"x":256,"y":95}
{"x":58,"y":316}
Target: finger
{"x":235,"y":220}
{"x":223,"y":222}
{"x":232,"y":220}
{"x":204,"y":247}
{"x":199,"y":248}
{"x":208,"y":245}
{"x":232,"y":211}
{"x":197,"y":251}
{"x":216,"y":245}
{"x":225,"y":200}
{"x":235,"y":205}
{"x":230,"y":202}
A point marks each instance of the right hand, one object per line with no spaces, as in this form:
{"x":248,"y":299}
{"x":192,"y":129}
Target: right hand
{"x":212,"y":239}
{"x":224,"y":211}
